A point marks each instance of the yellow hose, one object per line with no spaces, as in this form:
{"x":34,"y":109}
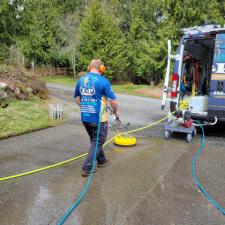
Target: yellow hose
{"x":184,"y":104}
{"x":43,"y":168}
{"x":80,"y":156}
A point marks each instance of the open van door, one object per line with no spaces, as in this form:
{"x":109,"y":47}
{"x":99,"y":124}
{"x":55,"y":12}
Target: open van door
{"x":216,"y":106}
{"x":176,"y":77}
{"x":166,"y":81}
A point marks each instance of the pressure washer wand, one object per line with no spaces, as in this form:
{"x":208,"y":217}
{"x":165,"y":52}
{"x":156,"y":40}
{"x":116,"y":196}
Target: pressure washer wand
{"x":115,"y":118}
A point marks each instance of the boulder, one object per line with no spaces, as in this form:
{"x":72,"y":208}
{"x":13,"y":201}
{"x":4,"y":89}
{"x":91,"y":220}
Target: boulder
{"x":17,"y":92}
{"x":3,"y":95}
{"x":3,"y":85}
{"x":4,"y":102}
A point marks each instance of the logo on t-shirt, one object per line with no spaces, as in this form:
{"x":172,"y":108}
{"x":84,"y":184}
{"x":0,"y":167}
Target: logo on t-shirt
{"x":87,"y":86}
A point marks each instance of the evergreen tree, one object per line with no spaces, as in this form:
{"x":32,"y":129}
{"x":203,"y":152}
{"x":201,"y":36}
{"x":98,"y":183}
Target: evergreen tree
{"x":142,"y":38}
{"x":181,"y":14}
{"x":130,"y":36}
{"x":101,"y":38}
{"x":44,"y":35}
{"x":11,"y":25}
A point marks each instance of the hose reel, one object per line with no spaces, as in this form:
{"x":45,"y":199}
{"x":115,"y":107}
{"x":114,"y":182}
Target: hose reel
{"x":55,"y":111}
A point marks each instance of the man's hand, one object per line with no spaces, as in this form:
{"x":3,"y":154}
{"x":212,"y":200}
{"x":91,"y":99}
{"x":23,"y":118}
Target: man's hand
{"x":117,"y":120}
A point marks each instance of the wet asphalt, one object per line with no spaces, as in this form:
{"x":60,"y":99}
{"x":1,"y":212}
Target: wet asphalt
{"x":149,"y":184}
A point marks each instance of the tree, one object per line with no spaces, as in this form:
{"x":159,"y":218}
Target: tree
{"x":11,"y":25}
{"x":44,"y":34}
{"x":130,"y":36}
{"x":101,"y":38}
{"x":181,"y":14}
{"x":69,"y":6}
{"x":142,"y":38}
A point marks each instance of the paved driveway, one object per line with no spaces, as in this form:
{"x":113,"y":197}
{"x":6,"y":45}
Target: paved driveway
{"x":149,"y":184}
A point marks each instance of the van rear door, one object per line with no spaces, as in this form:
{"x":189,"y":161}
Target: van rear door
{"x":216,"y":105}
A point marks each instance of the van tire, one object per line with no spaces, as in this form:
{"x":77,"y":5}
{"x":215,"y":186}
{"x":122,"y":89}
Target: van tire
{"x":195,"y":132}
{"x":189,"y":138}
{"x":167,"y":134}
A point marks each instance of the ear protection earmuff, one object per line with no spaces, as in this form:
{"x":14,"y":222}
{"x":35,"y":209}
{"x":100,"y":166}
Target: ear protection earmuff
{"x":102,"y":69}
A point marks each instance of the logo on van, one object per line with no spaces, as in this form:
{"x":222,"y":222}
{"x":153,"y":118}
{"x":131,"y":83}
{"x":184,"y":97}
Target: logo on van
{"x":218,"y":68}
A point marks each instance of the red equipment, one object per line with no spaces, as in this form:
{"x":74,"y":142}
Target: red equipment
{"x":175,"y":81}
{"x":188,"y":124}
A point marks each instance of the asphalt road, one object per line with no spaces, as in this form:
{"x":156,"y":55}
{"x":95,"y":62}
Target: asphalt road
{"x":134,"y":109}
{"x":149,"y":184}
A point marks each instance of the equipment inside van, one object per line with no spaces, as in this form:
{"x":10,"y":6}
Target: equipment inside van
{"x":198,"y":78}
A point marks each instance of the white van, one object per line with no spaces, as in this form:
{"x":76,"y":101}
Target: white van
{"x":198,"y":77}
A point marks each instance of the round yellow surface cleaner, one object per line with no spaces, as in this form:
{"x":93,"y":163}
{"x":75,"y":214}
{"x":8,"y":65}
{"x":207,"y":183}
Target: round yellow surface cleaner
{"x":125,"y":140}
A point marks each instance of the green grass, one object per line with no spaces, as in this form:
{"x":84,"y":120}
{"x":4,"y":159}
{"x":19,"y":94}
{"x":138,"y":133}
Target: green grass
{"x":23,"y":116}
{"x":127,"y":88}
{"x":69,"y":81}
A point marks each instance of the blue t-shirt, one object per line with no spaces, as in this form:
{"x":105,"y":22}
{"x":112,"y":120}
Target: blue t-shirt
{"x":93,"y":90}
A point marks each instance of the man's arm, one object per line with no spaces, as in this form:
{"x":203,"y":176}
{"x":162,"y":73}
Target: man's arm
{"x":77,"y":93}
{"x":115,"y":106}
{"x":112,"y":99}
{"x":77,"y":100}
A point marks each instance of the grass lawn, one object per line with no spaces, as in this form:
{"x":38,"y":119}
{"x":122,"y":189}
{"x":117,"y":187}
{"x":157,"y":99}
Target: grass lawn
{"x":66,"y":80}
{"x":127,"y":88}
{"x":24,"y":116}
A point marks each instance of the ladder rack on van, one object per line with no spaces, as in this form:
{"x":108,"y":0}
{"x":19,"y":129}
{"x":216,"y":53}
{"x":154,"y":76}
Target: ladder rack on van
{"x":202,"y":29}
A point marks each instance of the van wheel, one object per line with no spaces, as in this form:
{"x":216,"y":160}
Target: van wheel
{"x":195,"y":132}
{"x":167,"y":134}
{"x":189,"y":138}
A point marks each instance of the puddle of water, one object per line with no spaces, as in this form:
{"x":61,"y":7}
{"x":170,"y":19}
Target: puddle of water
{"x":40,"y":201}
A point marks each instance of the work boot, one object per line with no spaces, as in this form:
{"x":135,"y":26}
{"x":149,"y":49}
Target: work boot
{"x":103,"y":163}
{"x":87,"y":173}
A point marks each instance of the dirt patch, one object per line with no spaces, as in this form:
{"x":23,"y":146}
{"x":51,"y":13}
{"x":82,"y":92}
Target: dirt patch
{"x":151,"y":92}
{"x":19,"y":85}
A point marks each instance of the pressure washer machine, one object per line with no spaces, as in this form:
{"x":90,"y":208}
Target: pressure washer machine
{"x":181,"y":124}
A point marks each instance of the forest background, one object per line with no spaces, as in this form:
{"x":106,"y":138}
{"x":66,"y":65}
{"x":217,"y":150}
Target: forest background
{"x":130,"y":36}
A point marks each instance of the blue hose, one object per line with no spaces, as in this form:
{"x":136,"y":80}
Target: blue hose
{"x":83,"y":193}
{"x":222,"y":210}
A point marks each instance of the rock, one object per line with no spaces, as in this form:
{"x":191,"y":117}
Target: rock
{"x":17,"y":91}
{"x":28,"y":90}
{"x":3,"y":95}
{"x":4,"y":101}
{"x":3,"y":85}
{"x":11,"y":87}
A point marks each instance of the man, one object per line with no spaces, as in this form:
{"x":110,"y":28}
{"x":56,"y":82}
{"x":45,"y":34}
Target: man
{"x":92,"y":93}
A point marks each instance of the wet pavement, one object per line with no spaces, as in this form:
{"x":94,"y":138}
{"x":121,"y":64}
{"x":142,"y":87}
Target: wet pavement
{"x":149,"y":184}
